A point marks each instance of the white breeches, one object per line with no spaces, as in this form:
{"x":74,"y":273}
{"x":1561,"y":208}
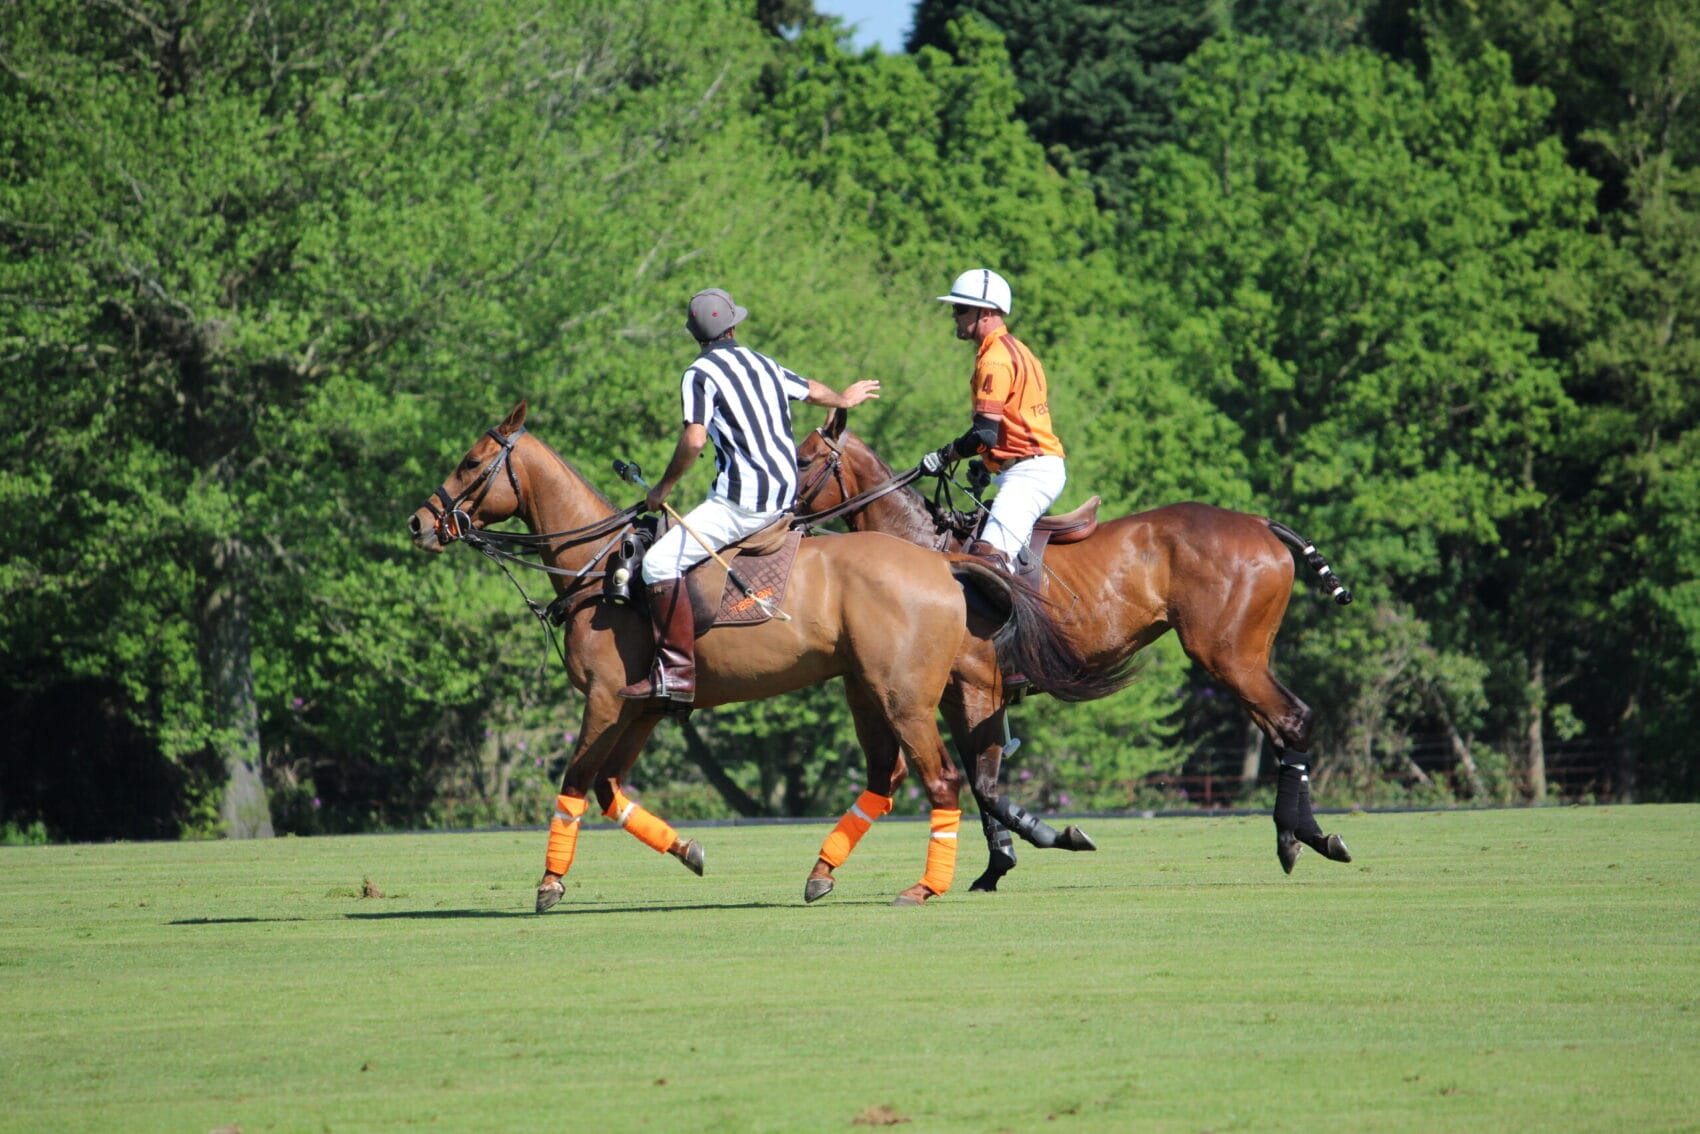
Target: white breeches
{"x":1025,"y":492}
{"x":716,"y":520}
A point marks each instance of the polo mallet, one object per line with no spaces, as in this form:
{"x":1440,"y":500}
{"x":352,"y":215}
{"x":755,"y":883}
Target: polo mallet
{"x":632,"y":474}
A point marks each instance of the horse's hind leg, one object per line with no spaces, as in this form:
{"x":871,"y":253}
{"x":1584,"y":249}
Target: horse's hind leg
{"x":918,"y":734}
{"x":978,"y":725}
{"x":1295,"y":821}
{"x":1239,"y":659}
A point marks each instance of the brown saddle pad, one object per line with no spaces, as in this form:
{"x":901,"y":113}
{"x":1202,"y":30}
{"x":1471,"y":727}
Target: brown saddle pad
{"x":763,"y":560}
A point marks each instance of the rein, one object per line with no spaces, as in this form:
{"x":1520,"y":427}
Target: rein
{"x":454,"y":522}
{"x":832,"y":466}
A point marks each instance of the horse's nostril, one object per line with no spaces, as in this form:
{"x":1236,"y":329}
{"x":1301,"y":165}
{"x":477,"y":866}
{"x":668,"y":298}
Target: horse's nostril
{"x":413,"y":524}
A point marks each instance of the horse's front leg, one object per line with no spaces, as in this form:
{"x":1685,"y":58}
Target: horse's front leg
{"x":605,"y":723}
{"x":974,"y":721}
{"x":648,"y":828}
{"x":979,"y":724}
{"x":885,"y":768}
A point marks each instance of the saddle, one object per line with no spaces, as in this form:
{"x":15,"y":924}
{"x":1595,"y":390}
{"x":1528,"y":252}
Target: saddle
{"x":763,"y":560}
{"x":1069,"y":527}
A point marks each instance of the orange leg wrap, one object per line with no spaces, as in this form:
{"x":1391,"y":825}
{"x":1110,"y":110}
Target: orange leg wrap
{"x":852,"y":826}
{"x":563,"y":833}
{"x":649,"y":829}
{"x":941,"y":851}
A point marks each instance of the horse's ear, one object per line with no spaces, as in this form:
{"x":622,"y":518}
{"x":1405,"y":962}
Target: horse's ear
{"x":836,"y":420}
{"x":516,"y":418}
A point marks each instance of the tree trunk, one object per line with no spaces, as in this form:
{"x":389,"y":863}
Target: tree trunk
{"x":227,"y":660}
{"x":1251,"y":758}
{"x":728,"y":788}
{"x":1625,"y":767}
{"x":1460,"y":750}
{"x":1536,"y":762}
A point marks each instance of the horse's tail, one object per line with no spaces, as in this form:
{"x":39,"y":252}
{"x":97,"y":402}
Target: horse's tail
{"x":1030,"y":642}
{"x":1330,"y":581}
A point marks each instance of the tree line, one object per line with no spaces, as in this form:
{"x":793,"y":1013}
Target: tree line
{"x":1417,"y":278}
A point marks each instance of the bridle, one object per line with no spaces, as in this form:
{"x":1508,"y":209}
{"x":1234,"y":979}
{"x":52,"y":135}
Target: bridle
{"x":455,"y":522}
{"x":832,"y":468}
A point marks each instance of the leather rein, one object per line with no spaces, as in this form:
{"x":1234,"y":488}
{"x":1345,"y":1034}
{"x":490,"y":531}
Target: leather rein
{"x":454,"y":520}
{"x":831,"y":468}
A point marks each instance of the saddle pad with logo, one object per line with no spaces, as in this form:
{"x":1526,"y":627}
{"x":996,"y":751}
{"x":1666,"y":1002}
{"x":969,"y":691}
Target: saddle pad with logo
{"x":717,"y":601}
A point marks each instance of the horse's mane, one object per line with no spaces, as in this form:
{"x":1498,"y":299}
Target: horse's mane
{"x":572,"y":468}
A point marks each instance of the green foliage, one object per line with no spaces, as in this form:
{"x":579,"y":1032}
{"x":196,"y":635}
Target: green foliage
{"x":1097,"y":81}
{"x":266,"y":270}
{"x":1358,"y":265}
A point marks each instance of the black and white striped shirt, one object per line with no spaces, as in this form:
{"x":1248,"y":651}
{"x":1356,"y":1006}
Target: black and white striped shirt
{"x":744,"y":399}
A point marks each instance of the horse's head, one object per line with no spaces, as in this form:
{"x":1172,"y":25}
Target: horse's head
{"x":833,"y":464}
{"x":820,"y":473}
{"x":482,"y":490}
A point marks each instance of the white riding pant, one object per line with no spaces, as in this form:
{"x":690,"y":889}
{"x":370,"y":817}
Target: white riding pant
{"x":717,"y":520}
{"x":1026,"y":491}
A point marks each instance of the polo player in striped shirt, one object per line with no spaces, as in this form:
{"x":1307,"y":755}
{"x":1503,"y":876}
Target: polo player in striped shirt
{"x":741,"y":400}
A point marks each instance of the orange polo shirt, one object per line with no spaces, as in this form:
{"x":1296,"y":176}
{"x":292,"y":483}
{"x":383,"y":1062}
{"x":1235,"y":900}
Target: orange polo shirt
{"x":1009,"y":384}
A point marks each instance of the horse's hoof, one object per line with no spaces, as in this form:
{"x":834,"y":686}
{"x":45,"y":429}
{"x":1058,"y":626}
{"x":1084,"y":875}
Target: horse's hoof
{"x":1287,"y":849}
{"x":1000,"y":862}
{"x":817,"y":888}
{"x":1073,"y":838}
{"x":1333,"y":848}
{"x":916,"y":895}
{"x":548,"y":893}
{"x":691,"y":855}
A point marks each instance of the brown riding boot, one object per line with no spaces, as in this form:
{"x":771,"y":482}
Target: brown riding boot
{"x":673,"y":676}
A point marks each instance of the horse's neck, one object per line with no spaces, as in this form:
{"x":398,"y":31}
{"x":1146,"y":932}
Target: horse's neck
{"x":902,"y":513}
{"x":558,"y":499}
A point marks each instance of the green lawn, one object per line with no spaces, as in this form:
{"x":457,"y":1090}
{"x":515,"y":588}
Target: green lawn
{"x":1494,"y":971}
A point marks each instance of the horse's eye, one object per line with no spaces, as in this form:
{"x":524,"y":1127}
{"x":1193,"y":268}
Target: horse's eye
{"x":469,"y":464}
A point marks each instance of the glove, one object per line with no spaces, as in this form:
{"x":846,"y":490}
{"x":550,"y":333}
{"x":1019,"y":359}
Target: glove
{"x":978,"y":478}
{"x":933,"y":463}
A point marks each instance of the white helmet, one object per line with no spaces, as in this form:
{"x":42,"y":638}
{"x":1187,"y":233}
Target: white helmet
{"x":979,"y":287}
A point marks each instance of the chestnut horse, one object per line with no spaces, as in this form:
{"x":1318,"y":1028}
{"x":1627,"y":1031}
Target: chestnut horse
{"x":887,"y":616}
{"x":1219,"y":579}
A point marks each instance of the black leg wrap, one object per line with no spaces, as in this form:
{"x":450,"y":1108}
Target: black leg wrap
{"x":1000,"y":853}
{"x":1295,"y":822}
{"x":1292,"y":798}
{"x":1035,"y":830}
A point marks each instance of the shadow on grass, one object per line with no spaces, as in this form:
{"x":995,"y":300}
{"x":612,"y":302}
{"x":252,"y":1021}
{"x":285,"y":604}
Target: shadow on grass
{"x":448,"y":915}
{"x":576,"y":911}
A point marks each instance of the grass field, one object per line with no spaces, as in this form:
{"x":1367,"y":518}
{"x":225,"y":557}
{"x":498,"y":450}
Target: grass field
{"x":1493,"y":971}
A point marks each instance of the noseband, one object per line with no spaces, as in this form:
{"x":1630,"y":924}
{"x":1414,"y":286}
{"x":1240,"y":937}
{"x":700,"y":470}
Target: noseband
{"x":831,"y":466}
{"x":455,"y":522}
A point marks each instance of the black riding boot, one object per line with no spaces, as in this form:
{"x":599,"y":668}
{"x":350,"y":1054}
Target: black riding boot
{"x":673,"y":676}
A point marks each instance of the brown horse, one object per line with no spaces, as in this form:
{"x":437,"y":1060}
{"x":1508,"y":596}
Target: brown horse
{"x":1219,"y":579}
{"x":888,"y":617}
